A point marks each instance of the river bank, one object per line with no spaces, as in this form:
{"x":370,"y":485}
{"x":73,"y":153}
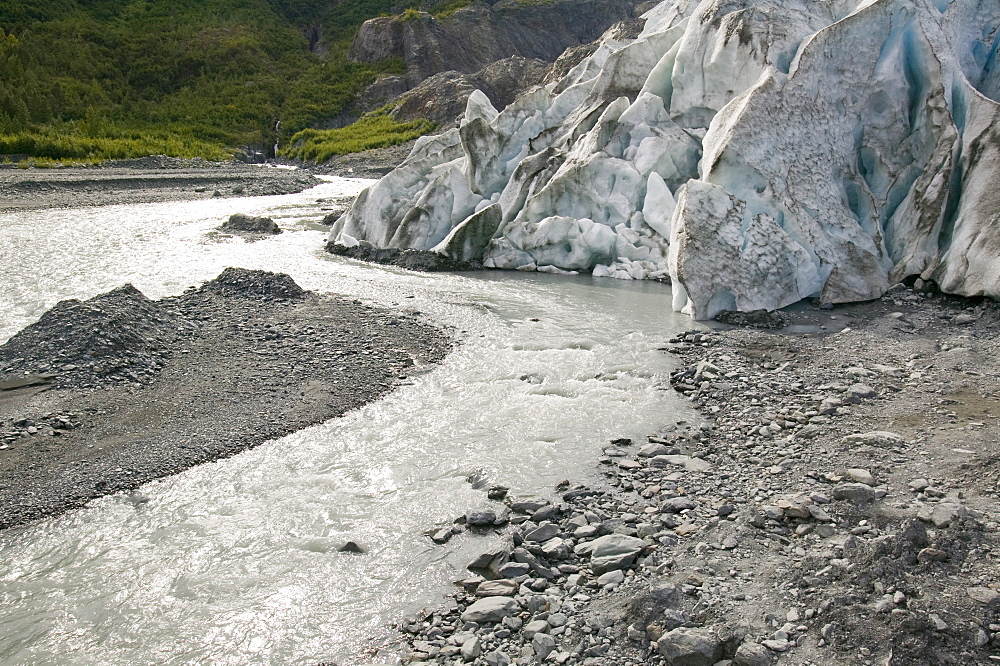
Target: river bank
{"x":835,"y":504}
{"x":145,"y":180}
{"x":101,"y":396}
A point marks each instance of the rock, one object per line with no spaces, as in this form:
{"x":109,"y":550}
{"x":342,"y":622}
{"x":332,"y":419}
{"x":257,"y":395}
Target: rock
{"x":937,"y":622}
{"x":497,"y":493}
{"x":556,"y":549}
{"x":752,"y":654}
{"x":490,"y":610}
{"x":480,"y":518}
{"x":543,"y":645}
{"x":678,"y":504}
{"x":663,"y":591}
{"x":777,"y":644}
{"x":514,"y":569}
{"x":471,"y":649}
{"x":351,"y":547}
{"x":611,"y":578}
{"x":614,"y":551}
{"x":535,"y":627}
{"x":943,"y":514}
{"x":497,"y":658}
{"x":528,"y":505}
{"x":442,"y":535}
{"x":543,"y":532}
{"x":497,"y":588}
{"x":858,"y":392}
{"x":919,"y":485}
{"x":856,"y":493}
{"x":932,"y":555}
{"x":491,"y":559}
{"x":689,"y":647}
{"x":653,"y":449}
{"x":687,"y":462}
{"x":984,"y":595}
{"x":876,"y":439}
{"x":861,"y":476}
{"x":249,"y":224}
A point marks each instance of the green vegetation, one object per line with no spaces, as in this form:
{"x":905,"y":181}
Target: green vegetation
{"x":446,"y":10}
{"x":86,"y":80}
{"x":374,"y":130}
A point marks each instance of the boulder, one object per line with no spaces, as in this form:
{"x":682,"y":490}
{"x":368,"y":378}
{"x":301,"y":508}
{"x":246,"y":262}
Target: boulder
{"x":614,"y":551}
{"x":490,"y":610}
{"x":249,"y":224}
{"x":690,"y":647}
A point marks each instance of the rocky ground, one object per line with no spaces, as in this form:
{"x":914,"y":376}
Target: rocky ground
{"x":835,"y":504}
{"x":145,"y":180}
{"x":100,"y":396}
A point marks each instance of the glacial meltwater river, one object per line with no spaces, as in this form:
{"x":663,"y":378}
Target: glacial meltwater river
{"x":236,"y":562}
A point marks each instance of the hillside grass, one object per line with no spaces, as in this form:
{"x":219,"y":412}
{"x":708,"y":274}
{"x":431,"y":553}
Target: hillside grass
{"x":107,"y":79}
{"x":375,"y":130}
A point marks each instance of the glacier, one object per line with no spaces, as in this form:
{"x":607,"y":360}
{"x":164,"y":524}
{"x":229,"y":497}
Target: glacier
{"x":756,"y":152}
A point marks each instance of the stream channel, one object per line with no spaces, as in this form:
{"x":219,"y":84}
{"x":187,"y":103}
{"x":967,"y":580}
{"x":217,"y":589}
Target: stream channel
{"x":235,"y":562}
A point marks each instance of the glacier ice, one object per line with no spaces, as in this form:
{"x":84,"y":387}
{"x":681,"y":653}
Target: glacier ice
{"x":756,"y":151}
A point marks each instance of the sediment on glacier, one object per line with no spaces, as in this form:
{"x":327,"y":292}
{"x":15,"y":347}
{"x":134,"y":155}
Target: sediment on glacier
{"x":757,"y":152}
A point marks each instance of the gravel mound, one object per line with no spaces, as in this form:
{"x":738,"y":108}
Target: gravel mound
{"x":259,"y":285}
{"x":120,"y":335}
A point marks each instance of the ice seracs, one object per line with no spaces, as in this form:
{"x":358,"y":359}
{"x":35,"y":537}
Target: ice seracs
{"x":756,"y":151}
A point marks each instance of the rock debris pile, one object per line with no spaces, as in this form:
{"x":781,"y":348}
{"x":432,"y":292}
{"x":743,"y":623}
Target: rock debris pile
{"x":117,"y":336}
{"x":835,"y":505}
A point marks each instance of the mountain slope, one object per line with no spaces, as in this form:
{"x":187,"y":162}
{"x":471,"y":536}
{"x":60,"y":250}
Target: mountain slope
{"x":119,"y":78}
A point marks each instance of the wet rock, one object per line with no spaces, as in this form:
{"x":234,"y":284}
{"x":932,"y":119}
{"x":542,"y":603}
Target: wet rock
{"x":497,"y":493}
{"x":250,"y":224}
{"x":480,"y":518}
{"x":351,"y":547}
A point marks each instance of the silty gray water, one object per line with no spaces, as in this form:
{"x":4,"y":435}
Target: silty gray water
{"x":236,"y":562}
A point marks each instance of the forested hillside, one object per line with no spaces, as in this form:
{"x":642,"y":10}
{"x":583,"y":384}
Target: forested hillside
{"x":96,"y":79}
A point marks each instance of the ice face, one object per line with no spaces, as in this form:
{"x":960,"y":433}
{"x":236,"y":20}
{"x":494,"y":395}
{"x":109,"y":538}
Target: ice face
{"x":813,"y":149}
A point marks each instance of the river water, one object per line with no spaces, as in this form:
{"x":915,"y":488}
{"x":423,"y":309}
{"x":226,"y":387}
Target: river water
{"x":236,"y":562}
